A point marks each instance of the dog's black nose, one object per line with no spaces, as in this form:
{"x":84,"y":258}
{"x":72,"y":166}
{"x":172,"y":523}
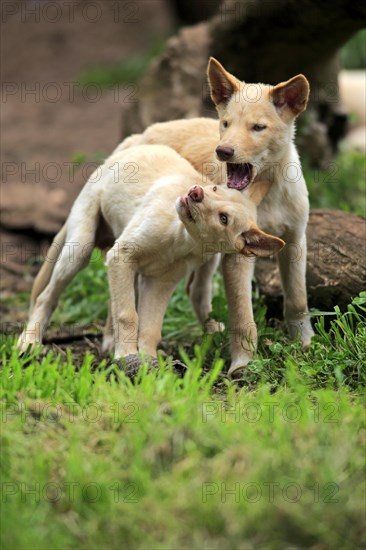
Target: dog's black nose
{"x":224,"y":152}
{"x":196,"y":193}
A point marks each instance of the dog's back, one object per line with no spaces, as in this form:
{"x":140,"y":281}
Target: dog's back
{"x":194,"y":139}
{"x":138,"y":176}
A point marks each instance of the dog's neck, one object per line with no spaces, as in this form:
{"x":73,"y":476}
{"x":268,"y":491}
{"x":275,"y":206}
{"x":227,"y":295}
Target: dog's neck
{"x":183,"y":243}
{"x":176,"y":254}
{"x":283,"y":168}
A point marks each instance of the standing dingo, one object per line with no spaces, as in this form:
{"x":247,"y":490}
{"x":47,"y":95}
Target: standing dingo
{"x":157,"y":228}
{"x":254,"y":137}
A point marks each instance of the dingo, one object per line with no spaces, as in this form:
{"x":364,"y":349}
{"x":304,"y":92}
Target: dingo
{"x":154,"y":233}
{"x":254,"y":136}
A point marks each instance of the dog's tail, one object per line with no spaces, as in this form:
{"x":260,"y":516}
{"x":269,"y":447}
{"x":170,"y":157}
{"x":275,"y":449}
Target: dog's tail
{"x":44,"y":275}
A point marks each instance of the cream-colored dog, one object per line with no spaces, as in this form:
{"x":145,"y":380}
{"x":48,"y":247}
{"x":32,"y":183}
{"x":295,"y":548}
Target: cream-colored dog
{"x":253,"y":141}
{"x":147,"y":204}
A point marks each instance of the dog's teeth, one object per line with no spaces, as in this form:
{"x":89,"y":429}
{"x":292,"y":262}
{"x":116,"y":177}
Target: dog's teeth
{"x":239,"y":175}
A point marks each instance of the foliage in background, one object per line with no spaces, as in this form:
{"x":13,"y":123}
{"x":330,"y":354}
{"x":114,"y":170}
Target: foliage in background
{"x":341,"y":186}
{"x":85,"y":300}
{"x":128,"y":71}
{"x":353,"y":54}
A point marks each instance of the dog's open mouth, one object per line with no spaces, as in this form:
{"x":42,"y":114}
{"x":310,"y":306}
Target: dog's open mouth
{"x":185,"y":203}
{"x":239,"y":176}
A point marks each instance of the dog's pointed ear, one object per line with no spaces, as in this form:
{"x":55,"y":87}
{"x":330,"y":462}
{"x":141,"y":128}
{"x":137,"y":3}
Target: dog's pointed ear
{"x":258,"y":243}
{"x":222,"y":84}
{"x":292,"y":95}
{"x":258,"y":190}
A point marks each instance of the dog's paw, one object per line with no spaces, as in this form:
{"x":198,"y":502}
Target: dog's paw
{"x":212,"y":326}
{"x":301,"y":329}
{"x":130,"y":364}
{"x":238,"y":366}
{"x":26,"y":345}
{"x":306,"y":336}
{"x":234,"y":373}
{"x":108,"y":344}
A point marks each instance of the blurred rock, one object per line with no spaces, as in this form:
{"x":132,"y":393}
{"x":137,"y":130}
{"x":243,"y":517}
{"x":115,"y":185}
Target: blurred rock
{"x":175,"y":85}
{"x":336,"y":263}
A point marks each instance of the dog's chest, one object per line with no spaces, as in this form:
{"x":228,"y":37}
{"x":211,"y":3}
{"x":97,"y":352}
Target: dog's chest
{"x":274,"y":217}
{"x":284,"y":211}
{"x":165,"y":264}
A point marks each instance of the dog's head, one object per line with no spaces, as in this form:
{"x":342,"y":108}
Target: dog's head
{"x":256,"y":121}
{"x":226,"y":219}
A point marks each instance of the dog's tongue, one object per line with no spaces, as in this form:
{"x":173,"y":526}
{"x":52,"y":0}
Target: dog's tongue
{"x":238,"y":175}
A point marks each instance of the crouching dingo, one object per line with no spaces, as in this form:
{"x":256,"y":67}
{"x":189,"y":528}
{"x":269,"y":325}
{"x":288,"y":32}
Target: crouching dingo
{"x":158,"y":227}
{"x":253,"y":141}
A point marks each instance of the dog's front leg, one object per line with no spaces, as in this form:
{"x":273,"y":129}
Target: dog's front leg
{"x":154,"y":296}
{"x":121,"y":277}
{"x":292,"y":264}
{"x":108,"y":338}
{"x":238,"y":273}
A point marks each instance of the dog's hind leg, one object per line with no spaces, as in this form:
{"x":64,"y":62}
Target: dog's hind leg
{"x":73,"y":257}
{"x":108,"y":338}
{"x":44,"y":274}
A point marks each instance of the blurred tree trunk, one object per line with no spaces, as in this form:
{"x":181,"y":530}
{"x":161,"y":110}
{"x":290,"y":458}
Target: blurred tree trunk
{"x":189,"y":12}
{"x":258,"y":41}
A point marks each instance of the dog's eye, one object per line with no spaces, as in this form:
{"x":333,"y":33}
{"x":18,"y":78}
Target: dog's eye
{"x":259,"y":127}
{"x":225,"y":124}
{"x":224,"y":219}
{"x":214,"y":188}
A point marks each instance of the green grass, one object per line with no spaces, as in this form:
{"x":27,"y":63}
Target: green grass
{"x":93,"y":460}
{"x":335,"y":358}
{"x":91,"y":289}
{"x":353,"y":54}
{"x":90,"y":459}
{"x":341,"y":186}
